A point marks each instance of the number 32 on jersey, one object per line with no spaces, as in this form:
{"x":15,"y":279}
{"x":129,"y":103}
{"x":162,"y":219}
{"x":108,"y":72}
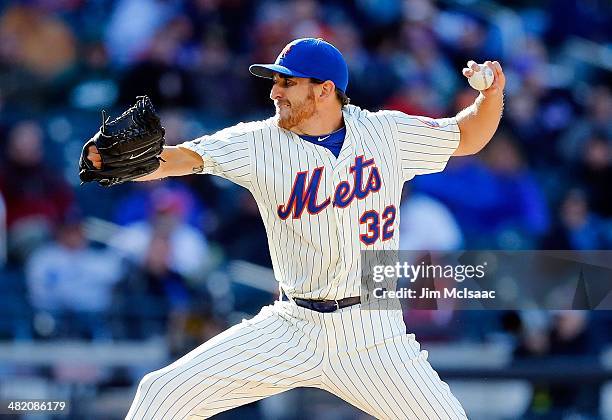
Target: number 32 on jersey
{"x":304,"y":197}
{"x":373,"y":220}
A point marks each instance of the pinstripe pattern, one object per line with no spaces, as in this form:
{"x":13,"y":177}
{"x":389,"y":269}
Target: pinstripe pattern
{"x":364,"y":357}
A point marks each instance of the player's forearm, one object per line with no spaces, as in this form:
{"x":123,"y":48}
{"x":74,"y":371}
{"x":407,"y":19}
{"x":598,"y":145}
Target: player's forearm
{"x":478,"y":122}
{"x":176,"y":161}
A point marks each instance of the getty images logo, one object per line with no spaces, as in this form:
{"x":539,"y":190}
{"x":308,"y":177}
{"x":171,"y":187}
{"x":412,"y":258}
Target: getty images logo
{"x":412,"y":272}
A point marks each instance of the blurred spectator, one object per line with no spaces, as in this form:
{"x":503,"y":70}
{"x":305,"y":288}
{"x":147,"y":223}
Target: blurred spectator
{"x":158,"y":74}
{"x":244,"y":235}
{"x":597,"y":121}
{"x":231,"y":17}
{"x":91,"y":84}
{"x":152,"y":293}
{"x":558,"y":333}
{"x":566,"y":334}
{"x":577,"y":227}
{"x":187,"y":330}
{"x":271,"y":30}
{"x":524,"y":207}
{"x":591,"y":19}
{"x":19,"y":87}
{"x":379,"y":81}
{"x":175,"y":125}
{"x":72,"y":282}
{"x":188,"y":249}
{"x":140,"y":204}
{"x":36,"y":34}
{"x":380,"y":12}
{"x":426,"y":224}
{"x":416,"y":99}
{"x":595,"y":172}
{"x":522,"y":117}
{"x":506,"y":208}
{"x":528,"y":101}
{"x":347,"y":39}
{"x":423,"y":63}
{"x":218,"y":78}
{"x":465,"y":37}
{"x":37,"y":198}
{"x":307,"y":22}
{"x":123,"y":26}
{"x":160,"y":280}
{"x":530,"y":63}
{"x":27,"y":35}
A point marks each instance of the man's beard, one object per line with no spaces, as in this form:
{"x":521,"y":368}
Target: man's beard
{"x":298,"y":112}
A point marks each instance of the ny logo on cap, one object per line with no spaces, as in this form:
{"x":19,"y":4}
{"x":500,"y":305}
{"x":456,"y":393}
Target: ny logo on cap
{"x":285,"y":51}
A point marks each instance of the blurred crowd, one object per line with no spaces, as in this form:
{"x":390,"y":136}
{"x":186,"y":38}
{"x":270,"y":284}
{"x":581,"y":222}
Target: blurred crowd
{"x":147,"y":259}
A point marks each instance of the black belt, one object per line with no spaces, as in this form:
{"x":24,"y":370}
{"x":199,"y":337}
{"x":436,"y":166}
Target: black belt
{"x":326,"y":305}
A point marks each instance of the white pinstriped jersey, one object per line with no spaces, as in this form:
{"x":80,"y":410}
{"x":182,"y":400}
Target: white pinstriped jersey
{"x":320,"y":211}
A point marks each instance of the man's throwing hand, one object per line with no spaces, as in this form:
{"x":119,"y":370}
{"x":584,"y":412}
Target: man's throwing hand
{"x":499,"y":79}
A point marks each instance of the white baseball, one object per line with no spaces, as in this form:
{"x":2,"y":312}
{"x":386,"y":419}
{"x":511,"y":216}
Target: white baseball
{"x":482,"y":79}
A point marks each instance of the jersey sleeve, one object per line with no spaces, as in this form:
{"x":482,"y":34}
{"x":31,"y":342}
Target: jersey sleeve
{"x":227,"y":153}
{"x":424,"y":144}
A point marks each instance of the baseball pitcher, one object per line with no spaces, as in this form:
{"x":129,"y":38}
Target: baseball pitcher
{"x":327,"y":177}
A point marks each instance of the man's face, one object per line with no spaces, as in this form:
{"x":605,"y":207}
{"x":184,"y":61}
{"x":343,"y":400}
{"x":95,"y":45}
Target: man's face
{"x":294,"y":98}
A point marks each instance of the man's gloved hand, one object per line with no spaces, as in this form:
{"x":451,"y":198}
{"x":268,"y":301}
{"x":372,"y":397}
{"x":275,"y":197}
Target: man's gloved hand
{"x":128,"y":147}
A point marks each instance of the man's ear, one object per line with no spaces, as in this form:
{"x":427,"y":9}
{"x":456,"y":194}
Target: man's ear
{"x":328,"y":89}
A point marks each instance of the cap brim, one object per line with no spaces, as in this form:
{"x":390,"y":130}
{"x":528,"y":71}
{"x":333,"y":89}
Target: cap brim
{"x":268,"y":70}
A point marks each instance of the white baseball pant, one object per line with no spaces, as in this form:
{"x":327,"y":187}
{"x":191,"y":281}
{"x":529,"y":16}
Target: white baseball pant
{"x":362,"y":356}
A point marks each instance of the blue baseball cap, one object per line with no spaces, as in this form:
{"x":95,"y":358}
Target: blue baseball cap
{"x":308,"y":57}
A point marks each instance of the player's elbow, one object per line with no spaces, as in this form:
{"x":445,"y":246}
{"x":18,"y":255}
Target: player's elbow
{"x":470,"y":145}
{"x":189,"y":162}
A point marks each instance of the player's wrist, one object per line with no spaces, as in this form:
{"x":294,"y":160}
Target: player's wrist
{"x":492,"y":93}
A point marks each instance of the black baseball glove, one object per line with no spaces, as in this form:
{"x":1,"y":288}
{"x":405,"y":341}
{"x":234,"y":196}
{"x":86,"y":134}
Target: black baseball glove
{"x":129,"y":146}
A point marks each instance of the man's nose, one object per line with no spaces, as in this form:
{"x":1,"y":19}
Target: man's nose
{"x":276,"y":92}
